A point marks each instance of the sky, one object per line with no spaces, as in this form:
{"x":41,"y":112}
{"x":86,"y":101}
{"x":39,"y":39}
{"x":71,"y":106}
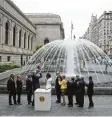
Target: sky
{"x":76,"y":11}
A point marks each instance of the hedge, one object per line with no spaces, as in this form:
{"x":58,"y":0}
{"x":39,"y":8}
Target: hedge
{"x":5,"y":67}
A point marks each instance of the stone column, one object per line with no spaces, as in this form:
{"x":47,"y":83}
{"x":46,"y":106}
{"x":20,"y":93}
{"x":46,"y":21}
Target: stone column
{"x":30,"y":43}
{"x":17,"y":36}
{"x":4,"y":23}
{"x":1,"y":28}
{"x":26,"y":47}
{"x":22,"y":39}
{"x":10,"y":33}
{"x":33,"y":43}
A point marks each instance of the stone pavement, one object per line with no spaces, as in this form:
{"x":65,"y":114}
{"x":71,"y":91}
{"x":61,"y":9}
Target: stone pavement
{"x":103,"y":107}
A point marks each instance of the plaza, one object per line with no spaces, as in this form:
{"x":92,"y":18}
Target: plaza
{"x":20,"y":35}
{"x":103,"y":107}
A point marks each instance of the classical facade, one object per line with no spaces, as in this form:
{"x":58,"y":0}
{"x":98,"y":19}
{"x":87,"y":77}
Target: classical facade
{"x":100,"y":32}
{"x":48,"y":27}
{"x":17,"y":34}
{"x":20,"y":33}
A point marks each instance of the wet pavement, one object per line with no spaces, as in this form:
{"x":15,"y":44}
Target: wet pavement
{"x":103,"y":107}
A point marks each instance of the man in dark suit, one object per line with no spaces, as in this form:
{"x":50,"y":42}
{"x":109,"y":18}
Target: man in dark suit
{"x":19,"y":89}
{"x":57,"y":88}
{"x":81,"y":92}
{"x":35,"y":81}
{"x":29,"y":88}
{"x":70,"y":92}
{"x":12,"y":89}
{"x":77,"y":89}
{"x":90,"y":91}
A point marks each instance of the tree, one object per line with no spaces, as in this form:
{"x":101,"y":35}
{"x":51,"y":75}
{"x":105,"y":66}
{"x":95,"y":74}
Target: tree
{"x":38,"y":46}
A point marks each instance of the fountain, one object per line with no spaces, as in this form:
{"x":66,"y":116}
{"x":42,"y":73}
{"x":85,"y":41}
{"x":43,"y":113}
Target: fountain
{"x":72,"y":57}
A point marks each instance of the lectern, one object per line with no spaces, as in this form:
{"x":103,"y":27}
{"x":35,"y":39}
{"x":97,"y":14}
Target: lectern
{"x":42,"y":99}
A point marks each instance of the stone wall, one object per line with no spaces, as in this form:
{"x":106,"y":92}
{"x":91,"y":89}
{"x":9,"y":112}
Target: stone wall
{"x":48,"y":26}
{"x":52,"y":32}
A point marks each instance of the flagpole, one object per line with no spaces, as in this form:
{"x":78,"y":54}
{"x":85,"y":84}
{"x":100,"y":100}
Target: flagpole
{"x":71,"y":29}
{"x":71,"y":33}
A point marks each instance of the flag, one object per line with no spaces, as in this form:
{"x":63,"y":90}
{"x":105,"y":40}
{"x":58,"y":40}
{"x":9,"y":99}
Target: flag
{"x":72,"y":27}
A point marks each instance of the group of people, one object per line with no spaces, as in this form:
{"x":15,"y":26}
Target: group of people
{"x":15,"y":87}
{"x":62,"y":86}
{"x":74,"y":87}
{"x":32,"y":83}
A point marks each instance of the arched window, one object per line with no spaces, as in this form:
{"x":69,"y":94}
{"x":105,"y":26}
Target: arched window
{"x":14,"y":36}
{"x":25,"y":40}
{"x":6,"y":32}
{"x":20,"y":38}
{"x":28,"y":41}
{"x":46,"y":41}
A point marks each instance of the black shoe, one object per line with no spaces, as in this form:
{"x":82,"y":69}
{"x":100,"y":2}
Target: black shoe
{"x":70,"y":105}
{"x":11,"y":104}
{"x":89,"y":107}
{"x":63,"y":104}
{"x":32,"y":104}
{"x":92,"y":106}
{"x":58,"y":102}
{"x":79,"y":106}
{"x":76,"y":103}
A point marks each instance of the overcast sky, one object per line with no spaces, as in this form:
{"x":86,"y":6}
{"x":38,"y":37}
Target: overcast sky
{"x":77,"y":11}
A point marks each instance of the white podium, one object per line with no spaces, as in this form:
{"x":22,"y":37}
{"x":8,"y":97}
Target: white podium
{"x":42,"y":100}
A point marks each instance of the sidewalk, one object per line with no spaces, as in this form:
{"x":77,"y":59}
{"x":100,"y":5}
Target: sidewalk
{"x":103,"y":107}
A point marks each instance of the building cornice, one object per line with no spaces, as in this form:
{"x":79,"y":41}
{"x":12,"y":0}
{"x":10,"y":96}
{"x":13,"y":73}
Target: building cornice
{"x":42,"y":15}
{"x":16,"y":19}
{"x":19,"y":11}
{"x":7,"y":52}
{"x":43,"y":23}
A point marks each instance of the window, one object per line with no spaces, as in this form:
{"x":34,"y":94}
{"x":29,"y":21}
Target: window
{"x":46,"y":41}
{"x":24,"y":39}
{"x":0,"y":58}
{"x":14,"y":36}
{"x":8,"y":58}
{"x":6,"y":32}
{"x":28,"y":41}
{"x":20,"y":38}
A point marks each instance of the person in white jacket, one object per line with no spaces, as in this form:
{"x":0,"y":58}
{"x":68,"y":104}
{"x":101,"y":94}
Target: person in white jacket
{"x":48,"y":81}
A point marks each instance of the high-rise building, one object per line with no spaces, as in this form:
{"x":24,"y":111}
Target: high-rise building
{"x":100,"y":31}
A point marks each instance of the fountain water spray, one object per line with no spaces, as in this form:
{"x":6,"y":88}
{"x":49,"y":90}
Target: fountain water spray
{"x":72,"y":57}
